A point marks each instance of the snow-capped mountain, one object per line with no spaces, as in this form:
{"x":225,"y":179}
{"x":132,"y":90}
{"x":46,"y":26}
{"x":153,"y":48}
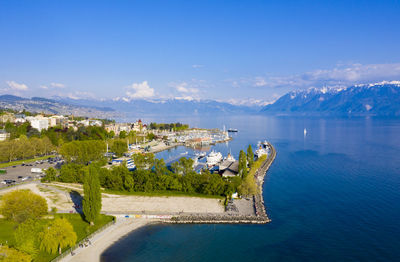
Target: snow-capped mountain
{"x":380,"y":99}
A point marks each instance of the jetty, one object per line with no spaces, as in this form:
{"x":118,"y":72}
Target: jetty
{"x":260,"y":216}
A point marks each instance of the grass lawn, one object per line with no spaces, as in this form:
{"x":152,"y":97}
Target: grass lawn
{"x":161,"y":194}
{"x":81,"y":228}
{"x":18,"y":162}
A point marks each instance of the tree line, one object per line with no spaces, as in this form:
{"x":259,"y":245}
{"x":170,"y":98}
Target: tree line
{"x":172,"y":126}
{"x":25,"y":148}
{"x":152,"y":175}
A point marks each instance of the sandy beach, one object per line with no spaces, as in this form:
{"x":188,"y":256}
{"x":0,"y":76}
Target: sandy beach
{"x":103,"y":240}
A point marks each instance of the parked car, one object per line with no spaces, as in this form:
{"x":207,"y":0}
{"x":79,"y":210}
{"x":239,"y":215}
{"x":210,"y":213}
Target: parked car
{"x":36,"y":170}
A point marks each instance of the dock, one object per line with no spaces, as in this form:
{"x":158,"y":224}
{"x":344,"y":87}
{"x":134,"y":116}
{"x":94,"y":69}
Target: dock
{"x":260,"y":216}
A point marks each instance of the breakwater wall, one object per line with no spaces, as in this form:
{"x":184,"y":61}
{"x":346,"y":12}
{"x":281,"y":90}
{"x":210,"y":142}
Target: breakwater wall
{"x":260,"y":216}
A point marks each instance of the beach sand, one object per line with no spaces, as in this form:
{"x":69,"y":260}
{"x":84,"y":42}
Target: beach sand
{"x":103,"y":240}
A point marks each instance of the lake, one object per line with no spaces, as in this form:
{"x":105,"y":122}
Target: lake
{"x":332,"y":195}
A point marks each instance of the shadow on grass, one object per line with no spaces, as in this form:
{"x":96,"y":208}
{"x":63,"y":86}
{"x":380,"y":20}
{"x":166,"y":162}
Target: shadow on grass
{"x":77,"y":200}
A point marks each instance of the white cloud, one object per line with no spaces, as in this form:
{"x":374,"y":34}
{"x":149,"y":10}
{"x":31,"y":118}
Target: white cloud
{"x":57,"y":85}
{"x":184,"y":88}
{"x":140,"y":90}
{"x":44,"y":87}
{"x":16,"y":86}
{"x":187,"y":98}
{"x":341,"y":75}
{"x":197,"y":66}
{"x":259,"y":81}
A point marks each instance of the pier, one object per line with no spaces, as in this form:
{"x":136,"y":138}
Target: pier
{"x":260,"y":216}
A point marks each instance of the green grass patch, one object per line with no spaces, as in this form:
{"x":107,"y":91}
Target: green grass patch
{"x":18,"y":162}
{"x":81,"y":228}
{"x":165,"y":193}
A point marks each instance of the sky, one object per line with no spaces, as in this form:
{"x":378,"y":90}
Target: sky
{"x":236,"y":51}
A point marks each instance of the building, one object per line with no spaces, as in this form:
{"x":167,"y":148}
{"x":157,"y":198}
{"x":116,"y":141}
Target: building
{"x":39,"y":122}
{"x":19,"y":119}
{"x":4,"y":135}
{"x":7,"y":117}
{"x":229,"y":168}
{"x":58,"y":120}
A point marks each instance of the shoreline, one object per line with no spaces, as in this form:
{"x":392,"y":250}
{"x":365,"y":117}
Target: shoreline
{"x":125,"y":226}
{"x":105,"y":239}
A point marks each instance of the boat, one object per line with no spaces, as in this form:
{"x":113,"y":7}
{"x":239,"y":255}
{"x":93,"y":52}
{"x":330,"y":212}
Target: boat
{"x":230,"y":158}
{"x":213,"y":158}
{"x":262,"y":149}
{"x":130,"y":164}
{"x":232,"y":130}
{"x":200,"y":155}
{"x":305,"y":131}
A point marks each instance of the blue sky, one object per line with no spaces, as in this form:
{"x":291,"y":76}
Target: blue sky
{"x":227,"y":50}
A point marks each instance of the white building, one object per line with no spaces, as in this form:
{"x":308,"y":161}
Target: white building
{"x":4,"y":135}
{"x":39,"y":122}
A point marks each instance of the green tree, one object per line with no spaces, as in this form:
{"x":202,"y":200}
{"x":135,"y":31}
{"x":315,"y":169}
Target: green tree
{"x":57,"y":235}
{"x":242,"y":164}
{"x":129,"y":183}
{"x":51,"y":175}
{"x":150,"y":136}
{"x":92,"y":195}
{"x":119,"y":147}
{"x":26,"y":236}
{"x":122,"y":134}
{"x":248,"y":186}
{"x":8,"y":254}
{"x":71,"y":173}
{"x":250,"y":156}
{"x":83,"y":152}
{"x":21,"y":205}
{"x":143,"y":161}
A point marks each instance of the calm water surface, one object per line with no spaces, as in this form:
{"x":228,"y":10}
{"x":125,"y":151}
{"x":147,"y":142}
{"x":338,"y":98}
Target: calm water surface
{"x":333,"y":195}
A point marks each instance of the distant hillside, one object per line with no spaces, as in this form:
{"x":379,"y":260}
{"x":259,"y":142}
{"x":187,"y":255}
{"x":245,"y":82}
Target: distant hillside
{"x":50,"y":106}
{"x":117,"y":108}
{"x":380,"y":99}
{"x":175,"y":107}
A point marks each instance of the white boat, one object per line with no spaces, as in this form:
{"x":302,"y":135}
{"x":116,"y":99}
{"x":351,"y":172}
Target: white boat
{"x":230,"y":158}
{"x":305,"y":131}
{"x":200,"y":155}
{"x":213,"y":158}
{"x":262,"y":149}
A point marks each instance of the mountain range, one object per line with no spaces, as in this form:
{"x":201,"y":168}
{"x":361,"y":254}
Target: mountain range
{"x":379,"y":99}
{"x":121,"y":108}
{"x":51,"y":106}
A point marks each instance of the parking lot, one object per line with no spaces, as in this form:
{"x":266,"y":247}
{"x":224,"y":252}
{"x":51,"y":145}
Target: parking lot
{"x":22,"y":173}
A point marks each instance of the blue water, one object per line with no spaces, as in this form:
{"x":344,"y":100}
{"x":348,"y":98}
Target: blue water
{"x":332,"y":195}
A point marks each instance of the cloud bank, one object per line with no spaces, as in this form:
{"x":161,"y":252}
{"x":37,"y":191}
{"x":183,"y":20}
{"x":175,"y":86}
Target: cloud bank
{"x":16,"y":86}
{"x":139,"y":90}
{"x":341,"y":75}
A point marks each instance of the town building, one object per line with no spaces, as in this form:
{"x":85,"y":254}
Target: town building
{"x":7,"y":117}
{"x":4,"y":135}
{"x":39,"y":122}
